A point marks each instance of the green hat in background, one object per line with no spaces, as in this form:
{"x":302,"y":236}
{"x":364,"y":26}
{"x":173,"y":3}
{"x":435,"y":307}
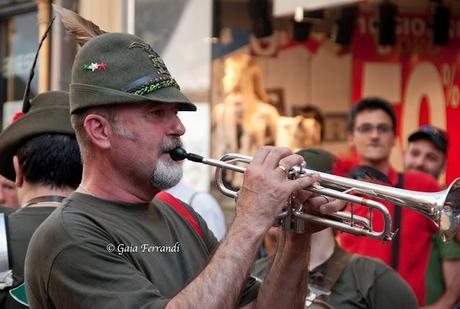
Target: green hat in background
{"x":318,"y":159}
{"x":120,"y":68}
{"x":49,"y":114}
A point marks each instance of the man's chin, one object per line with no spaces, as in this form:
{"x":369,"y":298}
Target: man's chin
{"x":166,"y":175}
{"x":425,"y":172}
{"x":164,"y":185}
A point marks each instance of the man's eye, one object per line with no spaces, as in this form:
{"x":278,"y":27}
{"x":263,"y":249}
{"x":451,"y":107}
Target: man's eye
{"x":157,"y":112}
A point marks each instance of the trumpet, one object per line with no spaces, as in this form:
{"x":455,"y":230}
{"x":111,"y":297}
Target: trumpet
{"x":442,"y":207}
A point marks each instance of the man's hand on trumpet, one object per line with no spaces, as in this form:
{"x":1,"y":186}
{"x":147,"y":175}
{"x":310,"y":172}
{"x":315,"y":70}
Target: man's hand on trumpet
{"x":316,"y":204}
{"x":266,"y":187}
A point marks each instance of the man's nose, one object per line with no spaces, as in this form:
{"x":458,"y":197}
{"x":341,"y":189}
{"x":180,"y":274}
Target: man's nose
{"x":419,"y":162}
{"x":177,"y":127}
{"x":375,"y":133}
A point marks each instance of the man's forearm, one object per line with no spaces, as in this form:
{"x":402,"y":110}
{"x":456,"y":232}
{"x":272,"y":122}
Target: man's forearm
{"x":286,"y":284}
{"x":451,"y":271}
{"x":220,"y":284}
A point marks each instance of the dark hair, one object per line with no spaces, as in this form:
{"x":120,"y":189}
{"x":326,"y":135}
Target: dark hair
{"x":51,"y":159}
{"x":311,"y":111}
{"x":371,"y":103}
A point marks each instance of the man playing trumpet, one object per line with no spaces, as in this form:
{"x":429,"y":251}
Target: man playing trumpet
{"x":90,"y":252}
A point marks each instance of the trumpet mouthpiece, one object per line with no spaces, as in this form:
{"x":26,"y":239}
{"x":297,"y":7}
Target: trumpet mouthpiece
{"x":178,"y":154}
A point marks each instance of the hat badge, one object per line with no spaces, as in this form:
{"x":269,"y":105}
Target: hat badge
{"x":94,"y":66}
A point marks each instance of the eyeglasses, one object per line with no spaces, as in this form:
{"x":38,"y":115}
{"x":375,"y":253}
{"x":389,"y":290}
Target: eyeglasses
{"x":367,"y":128}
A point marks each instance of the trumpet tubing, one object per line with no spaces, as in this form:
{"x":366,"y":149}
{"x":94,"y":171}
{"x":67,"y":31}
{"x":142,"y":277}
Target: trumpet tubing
{"x":442,"y":207}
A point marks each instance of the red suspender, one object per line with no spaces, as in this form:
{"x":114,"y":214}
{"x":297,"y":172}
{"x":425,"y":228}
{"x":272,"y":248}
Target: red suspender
{"x":177,"y":205}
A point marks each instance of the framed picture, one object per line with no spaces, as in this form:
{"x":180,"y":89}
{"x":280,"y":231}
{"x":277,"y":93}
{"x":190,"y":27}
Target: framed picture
{"x":335,"y":127}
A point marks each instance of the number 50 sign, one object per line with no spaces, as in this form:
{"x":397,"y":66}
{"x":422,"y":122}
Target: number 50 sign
{"x":421,"y":80}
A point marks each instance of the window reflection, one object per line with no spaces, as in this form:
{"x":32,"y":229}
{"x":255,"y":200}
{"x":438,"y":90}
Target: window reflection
{"x":20,"y":46}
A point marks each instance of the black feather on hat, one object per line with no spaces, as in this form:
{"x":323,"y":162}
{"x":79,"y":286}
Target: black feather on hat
{"x":47,"y":113}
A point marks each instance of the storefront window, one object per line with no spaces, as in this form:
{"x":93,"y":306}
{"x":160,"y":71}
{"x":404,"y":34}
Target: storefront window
{"x":18,"y":45}
{"x":180,"y":32}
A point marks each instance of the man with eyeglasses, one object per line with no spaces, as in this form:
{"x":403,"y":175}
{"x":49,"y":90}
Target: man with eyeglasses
{"x":427,"y":152}
{"x":372,"y":134}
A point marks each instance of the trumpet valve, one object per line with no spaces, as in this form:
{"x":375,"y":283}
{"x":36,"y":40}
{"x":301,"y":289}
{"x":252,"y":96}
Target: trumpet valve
{"x":298,"y":225}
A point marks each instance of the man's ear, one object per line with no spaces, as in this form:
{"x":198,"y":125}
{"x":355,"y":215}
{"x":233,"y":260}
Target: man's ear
{"x":98,"y":130}
{"x":19,"y":173}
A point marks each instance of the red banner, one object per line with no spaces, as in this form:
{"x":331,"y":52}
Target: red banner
{"x":420,"y":79}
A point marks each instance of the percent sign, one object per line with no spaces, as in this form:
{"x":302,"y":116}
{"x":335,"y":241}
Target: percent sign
{"x":453,"y":91}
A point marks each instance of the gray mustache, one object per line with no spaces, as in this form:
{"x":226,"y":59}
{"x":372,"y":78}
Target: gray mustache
{"x":170,"y":145}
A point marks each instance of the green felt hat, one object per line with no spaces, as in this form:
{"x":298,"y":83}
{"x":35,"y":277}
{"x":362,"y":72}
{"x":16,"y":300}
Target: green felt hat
{"x":120,"y":68}
{"x":49,"y":113}
{"x":318,"y":159}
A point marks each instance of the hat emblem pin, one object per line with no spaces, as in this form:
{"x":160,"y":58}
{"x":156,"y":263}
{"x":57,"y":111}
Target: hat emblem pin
{"x":94,"y":66}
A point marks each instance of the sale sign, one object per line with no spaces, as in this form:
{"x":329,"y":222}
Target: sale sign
{"x":420,"y":79}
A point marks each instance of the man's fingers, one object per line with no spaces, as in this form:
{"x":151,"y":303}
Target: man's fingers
{"x":302,"y":182}
{"x":291,"y":161}
{"x":275,"y":156}
{"x":334,"y":206}
{"x":302,"y":195}
{"x":313,"y":201}
{"x":260,"y":155}
{"x":324,"y":204}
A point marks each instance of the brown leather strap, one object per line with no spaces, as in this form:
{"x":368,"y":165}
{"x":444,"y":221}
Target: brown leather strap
{"x":332,"y":269}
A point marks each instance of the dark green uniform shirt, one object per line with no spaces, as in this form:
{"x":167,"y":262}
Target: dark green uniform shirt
{"x":93,"y":253}
{"x":21,"y":225}
{"x":440,"y":251}
{"x":364,"y":283}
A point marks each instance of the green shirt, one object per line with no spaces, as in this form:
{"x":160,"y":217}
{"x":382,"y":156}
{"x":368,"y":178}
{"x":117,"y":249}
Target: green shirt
{"x":364,"y":283}
{"x":440,"y":251}
{"x":94,"y":253}
{"x":22,"y":223}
